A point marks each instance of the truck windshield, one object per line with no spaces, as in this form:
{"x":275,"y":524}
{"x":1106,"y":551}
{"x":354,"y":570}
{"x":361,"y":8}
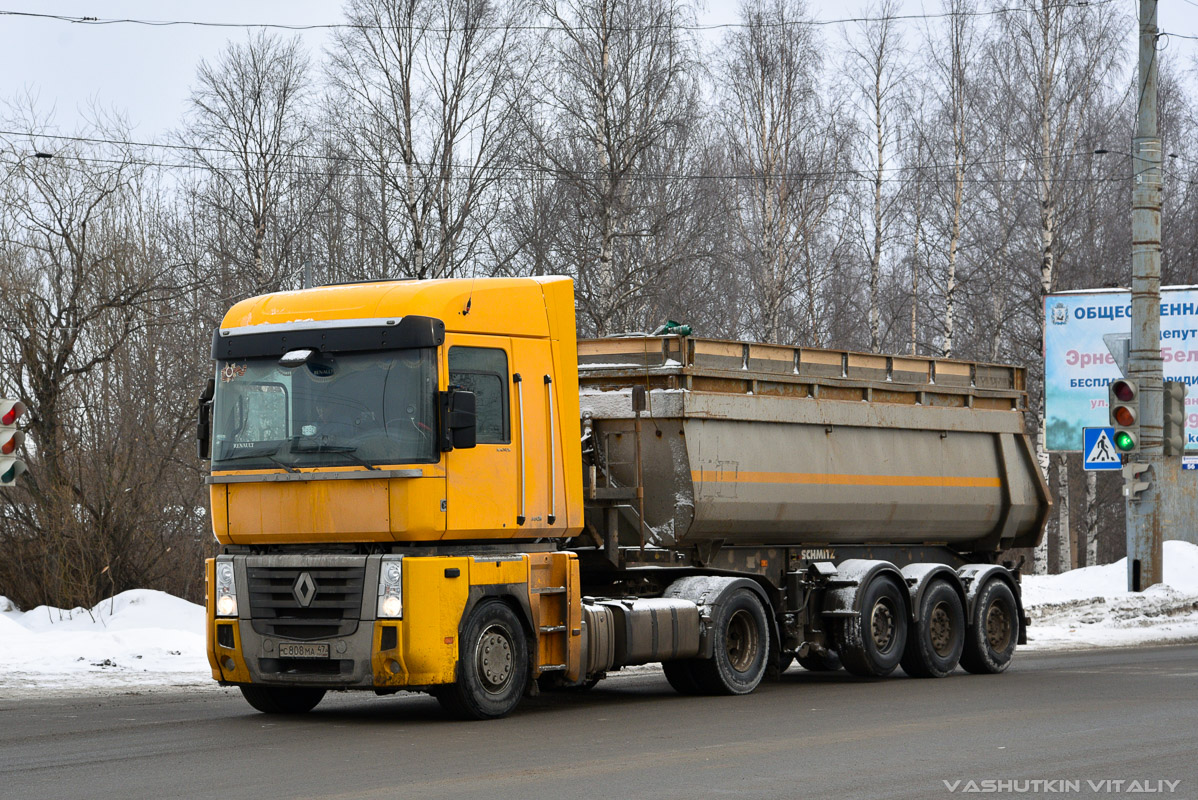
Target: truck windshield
{"x":336,"y":409}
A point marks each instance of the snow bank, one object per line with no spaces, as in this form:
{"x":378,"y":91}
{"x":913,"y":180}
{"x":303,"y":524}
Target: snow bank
{"x":1091,"y":607}
{"x":138,"y":638}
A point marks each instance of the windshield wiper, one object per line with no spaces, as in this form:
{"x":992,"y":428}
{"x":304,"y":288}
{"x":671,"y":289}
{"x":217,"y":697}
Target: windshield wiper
{"x":282,"y":464}
{"x":338,"y":449}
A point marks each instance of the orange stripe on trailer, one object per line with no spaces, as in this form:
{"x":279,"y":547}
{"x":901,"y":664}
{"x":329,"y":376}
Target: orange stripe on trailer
{"x":845,"y":479}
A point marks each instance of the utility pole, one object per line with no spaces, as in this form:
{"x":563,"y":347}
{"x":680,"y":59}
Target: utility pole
{"x":1144,"y":536}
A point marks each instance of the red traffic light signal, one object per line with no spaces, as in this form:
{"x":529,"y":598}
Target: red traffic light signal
{"x":10,"y":411}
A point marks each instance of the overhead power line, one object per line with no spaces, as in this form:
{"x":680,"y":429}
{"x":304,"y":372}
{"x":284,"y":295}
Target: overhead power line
{"x":167,"y":23}
{"x":507,"y":171}
{"x":532,"y":169}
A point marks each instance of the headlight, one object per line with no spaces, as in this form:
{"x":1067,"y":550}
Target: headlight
{"x":226,"y":590}
{"x":391,"y":589}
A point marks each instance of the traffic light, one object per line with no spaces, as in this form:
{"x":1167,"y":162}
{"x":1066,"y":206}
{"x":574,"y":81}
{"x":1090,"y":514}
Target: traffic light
{"x":1175,"y":418}
{"x":11,"y":440}
{"x":1123,"y":400}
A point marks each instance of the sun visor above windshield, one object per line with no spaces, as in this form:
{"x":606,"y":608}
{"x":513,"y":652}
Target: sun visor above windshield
{"x":338,"y":336}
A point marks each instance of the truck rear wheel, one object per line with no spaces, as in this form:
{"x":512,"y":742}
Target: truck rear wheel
{"x":934,"y":645}
{"x":993,"y":630}
{"x":870,"y":643}
{"x":282,"y":699}
{"x":492,"y":665}
{"x":741,"y":647}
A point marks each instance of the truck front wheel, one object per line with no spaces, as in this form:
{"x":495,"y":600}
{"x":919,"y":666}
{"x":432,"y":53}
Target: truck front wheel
{"x":492,"y":665}
{"x":741,"y":648}
{"x":282,"y":699}
{"x":870,"y":643}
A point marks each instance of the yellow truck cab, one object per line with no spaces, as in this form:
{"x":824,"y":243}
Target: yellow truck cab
{"x":386,"y":425}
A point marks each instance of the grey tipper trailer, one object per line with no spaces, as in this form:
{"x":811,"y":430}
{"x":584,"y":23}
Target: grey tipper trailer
{"x":866,"y":500}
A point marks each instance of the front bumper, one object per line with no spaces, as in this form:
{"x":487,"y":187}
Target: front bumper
{"x":364,"y":652}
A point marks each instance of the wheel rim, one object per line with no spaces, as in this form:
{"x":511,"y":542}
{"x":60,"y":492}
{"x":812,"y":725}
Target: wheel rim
{"x":742,"y":641}
{"x":998,"y":627}
{"x":881,"y":626}
{"x":493,"y":659}
{"x":940,"y":630}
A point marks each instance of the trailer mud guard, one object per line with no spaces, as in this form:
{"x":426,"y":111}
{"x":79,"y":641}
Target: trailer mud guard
{"x":919,"y":576}
{"x":843,"y":596}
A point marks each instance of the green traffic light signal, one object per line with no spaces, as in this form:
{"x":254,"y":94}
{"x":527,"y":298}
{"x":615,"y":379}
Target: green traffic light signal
{"x":1125,"y":442}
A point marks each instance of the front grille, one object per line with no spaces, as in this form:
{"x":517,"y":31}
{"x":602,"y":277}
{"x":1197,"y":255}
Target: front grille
{"x":336,"y":602}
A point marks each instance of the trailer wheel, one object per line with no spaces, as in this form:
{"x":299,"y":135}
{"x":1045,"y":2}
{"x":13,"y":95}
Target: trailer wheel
{"x":813,"y":662}
{"x":492,"y":665}
{"x":934,"y":645}
{"x":282,"y":699}
{"x":870,"y":643}
{"x":993,"y":630}
{"x":681,"y":676}
{"x":741,"y":647}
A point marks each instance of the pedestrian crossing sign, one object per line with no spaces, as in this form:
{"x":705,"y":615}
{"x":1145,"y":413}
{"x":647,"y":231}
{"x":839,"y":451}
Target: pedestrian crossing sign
{"x":1098,"y":446}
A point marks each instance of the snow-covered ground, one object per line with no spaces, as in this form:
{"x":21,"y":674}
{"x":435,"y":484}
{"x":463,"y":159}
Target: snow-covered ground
{"x":137,"y":640}
{"x":144,"y":640}
{"x":1091,"y":607}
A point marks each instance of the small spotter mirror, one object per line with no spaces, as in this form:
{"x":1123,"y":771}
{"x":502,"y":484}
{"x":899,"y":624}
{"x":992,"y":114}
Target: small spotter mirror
{"x":294,"y":358}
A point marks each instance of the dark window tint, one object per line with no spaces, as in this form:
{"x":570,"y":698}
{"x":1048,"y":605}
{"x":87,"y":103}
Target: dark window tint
{"x":483,"y":370}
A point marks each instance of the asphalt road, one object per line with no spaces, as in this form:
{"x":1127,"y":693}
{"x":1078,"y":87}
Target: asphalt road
{"x":1118,"y":715}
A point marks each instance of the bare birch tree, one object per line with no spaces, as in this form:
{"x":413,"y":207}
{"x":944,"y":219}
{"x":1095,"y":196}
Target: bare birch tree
{"x":427,"y":94}
{"x":1060,"y":62}
{"x":876,"y":65}
{"x":248,"y":128}
{"x":787,"y":148}
{"x":619,"y":93}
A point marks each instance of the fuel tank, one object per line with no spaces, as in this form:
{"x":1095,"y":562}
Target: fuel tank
{"x":748,"y":443}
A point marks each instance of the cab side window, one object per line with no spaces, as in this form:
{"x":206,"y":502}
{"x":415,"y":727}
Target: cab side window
{"x":483,"y":370}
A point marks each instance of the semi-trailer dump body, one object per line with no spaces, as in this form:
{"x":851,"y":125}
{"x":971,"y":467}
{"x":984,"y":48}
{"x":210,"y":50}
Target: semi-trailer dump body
{"x":432,"y":486}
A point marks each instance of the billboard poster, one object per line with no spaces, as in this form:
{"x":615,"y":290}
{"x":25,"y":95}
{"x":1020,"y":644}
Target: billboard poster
{"x":1078,"y":367}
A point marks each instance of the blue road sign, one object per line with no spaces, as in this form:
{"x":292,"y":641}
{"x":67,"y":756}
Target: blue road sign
{"x":1098,"y":447}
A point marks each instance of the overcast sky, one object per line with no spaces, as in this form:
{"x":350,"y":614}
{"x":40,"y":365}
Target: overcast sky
{"x":147,"y":72}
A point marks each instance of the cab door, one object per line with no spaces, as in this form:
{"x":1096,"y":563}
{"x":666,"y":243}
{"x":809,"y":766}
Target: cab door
{"x":482,"y":482}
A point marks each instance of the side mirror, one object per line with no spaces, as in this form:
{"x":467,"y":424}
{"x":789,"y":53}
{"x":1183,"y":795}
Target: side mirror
{"x":204,"y":420}
{"x":458,"y":419}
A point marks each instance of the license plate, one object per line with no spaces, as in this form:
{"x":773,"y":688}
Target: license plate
{"x":303,"y":650}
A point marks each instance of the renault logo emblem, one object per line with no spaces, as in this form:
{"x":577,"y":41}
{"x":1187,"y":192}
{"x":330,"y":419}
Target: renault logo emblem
{"x":304,"y":589}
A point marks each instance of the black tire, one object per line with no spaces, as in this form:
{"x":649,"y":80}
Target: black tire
{"x":813,"y":662}
{"x":282,"y":699}
{"x":935,"y":642}
{"x":741,"y":647}
{"x":780,"y":663}
{"x":993,"y":630}
{"x":871,"y":642}
{"x":492,"y":665}
{"x":681,"y":677}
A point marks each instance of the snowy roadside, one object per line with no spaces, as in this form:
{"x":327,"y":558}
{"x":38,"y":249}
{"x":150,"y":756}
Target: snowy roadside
{"x":144,"y":641}
{"x":1091,"y":607}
